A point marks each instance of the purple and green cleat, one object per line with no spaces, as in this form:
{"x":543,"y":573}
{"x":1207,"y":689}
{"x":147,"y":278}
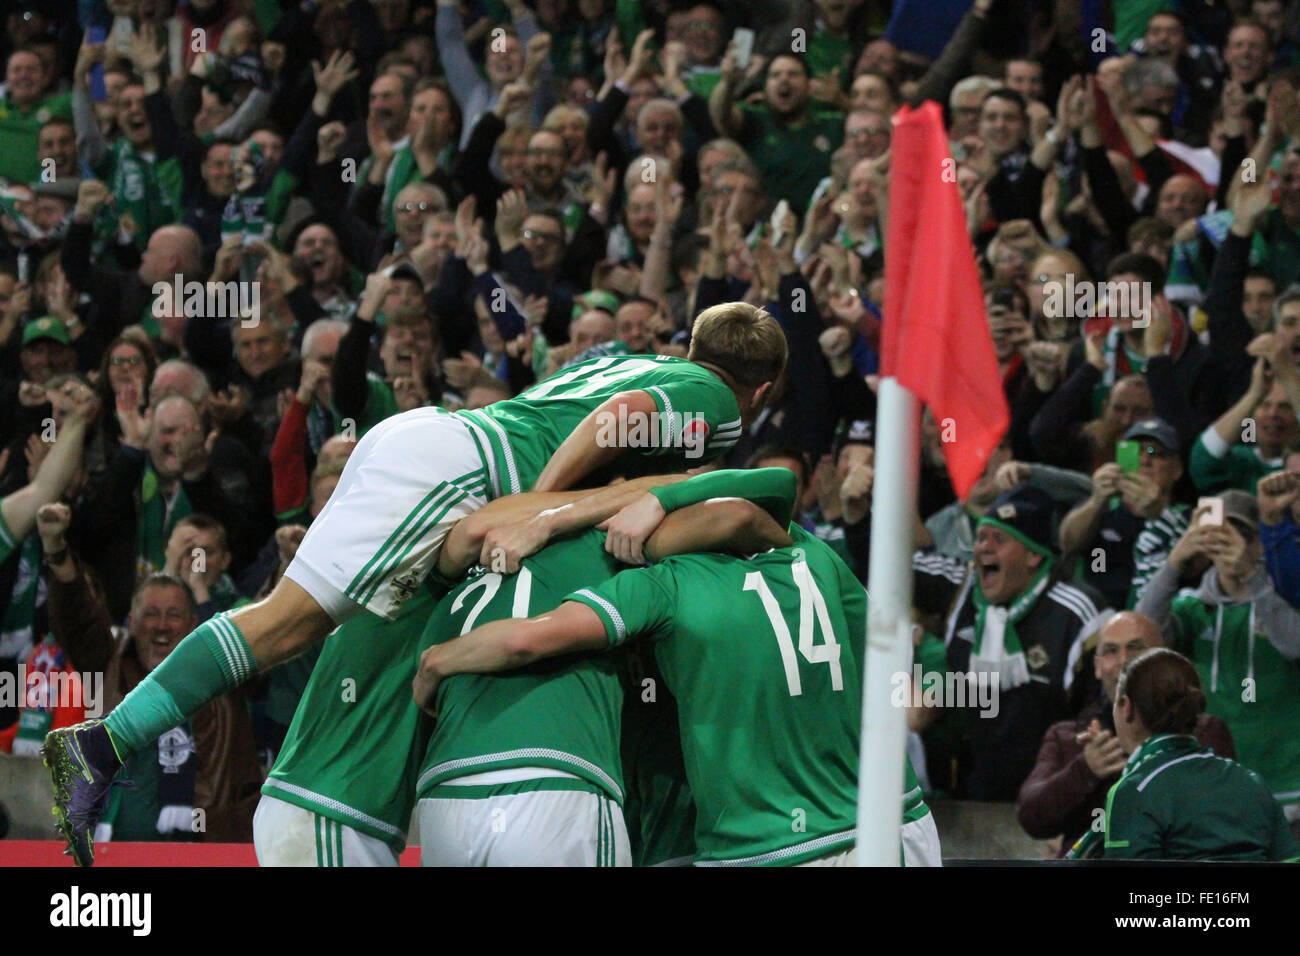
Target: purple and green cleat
{"x":82,"y":763}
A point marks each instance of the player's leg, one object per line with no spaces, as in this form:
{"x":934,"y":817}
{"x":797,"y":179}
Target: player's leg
{"x":921,"y":843}
{"x":369,"y":548}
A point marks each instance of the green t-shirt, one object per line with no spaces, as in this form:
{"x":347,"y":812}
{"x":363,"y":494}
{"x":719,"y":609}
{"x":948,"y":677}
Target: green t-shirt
{"x":792,"y":158}
{"x":767,"y":790}
{"x":354,"y":746}
{"x":20,"y":133}
{"x":1177,"y":800}
{"x":698,"y":419}
{"x":1218,"y":639}
{"x":562,"y":714}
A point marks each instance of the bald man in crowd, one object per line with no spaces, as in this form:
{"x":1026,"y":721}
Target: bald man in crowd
{"x":1080,"y":759}
{"x":125,"y":298}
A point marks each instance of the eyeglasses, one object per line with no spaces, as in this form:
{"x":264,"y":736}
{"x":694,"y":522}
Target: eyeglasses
{"x":118,"y":361}
{"x":542,"y":236}
{"x":417,"y":207}
{"x":1155,"y":451}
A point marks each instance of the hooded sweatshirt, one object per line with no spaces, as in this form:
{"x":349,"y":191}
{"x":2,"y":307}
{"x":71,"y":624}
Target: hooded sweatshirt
{"x":1247,"y":652}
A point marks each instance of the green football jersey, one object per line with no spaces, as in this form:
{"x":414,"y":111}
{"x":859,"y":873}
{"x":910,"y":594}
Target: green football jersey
{"x":764,"y":655}
{"x":562,"y":714}
{"x":353,"y":749}
{"x":698,"y":418}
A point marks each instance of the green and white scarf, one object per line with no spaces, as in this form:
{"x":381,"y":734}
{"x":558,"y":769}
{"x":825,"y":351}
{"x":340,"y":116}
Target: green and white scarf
{"x":997,"y":648}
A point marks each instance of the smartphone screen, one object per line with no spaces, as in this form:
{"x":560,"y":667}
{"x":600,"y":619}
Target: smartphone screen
{"x":744,"y":40}
{"x":1128,"y":455}
{"x":1213,"y":513}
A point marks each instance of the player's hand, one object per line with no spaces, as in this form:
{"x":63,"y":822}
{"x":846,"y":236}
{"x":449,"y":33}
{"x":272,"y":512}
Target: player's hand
{"x":424,"y":688}
{"x":1102,"y":751}
{"x":627,"y":531}
{"x":505,"y":547}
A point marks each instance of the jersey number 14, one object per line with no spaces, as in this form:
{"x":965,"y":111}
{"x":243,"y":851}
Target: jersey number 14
{"x":811,"y":606}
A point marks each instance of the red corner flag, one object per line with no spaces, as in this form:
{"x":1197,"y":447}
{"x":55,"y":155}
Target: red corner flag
{"x":936,"y":335}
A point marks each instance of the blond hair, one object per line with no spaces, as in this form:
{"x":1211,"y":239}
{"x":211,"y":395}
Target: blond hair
{"x":742,"y":340}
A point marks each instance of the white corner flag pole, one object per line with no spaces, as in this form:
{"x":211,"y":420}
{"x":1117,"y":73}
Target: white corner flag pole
{"x":889,"y":626}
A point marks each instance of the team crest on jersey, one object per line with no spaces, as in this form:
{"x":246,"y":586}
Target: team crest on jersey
{"x":1036,"y":658}
{"x":404,"y":586}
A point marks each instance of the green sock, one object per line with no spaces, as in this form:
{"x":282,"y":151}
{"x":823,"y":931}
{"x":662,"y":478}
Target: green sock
{"x":213,"y":659}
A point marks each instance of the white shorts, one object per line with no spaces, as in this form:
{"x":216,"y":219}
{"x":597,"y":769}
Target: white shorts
{"x":921,"y":843}
{"x":920,"y":847}
{"x":847,"y":857}
{"x":409,"y":480}
{"x":285,"y":834}
{"x":537,"y":828}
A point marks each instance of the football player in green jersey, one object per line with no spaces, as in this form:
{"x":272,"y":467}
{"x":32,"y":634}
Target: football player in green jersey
{"x":343,"y":785}
{"x":410,"y":479}
{"x":769,"y":721}
{"x":524,"y":769}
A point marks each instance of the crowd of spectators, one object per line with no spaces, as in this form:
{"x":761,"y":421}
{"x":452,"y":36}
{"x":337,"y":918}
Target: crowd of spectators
{"x":254,"y":229}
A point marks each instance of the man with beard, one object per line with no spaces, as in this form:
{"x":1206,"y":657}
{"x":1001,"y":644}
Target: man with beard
{"x":1080,"y":759}
{"x":789,"y":142}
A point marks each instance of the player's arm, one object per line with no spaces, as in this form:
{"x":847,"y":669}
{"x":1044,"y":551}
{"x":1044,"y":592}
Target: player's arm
{"x":583,"y":451}
{"x":465,"y":541}
{"x":773,"y":490}
{"x":505,"y":543}
{"x":508,"y":644}
{"x":721,"y":524}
